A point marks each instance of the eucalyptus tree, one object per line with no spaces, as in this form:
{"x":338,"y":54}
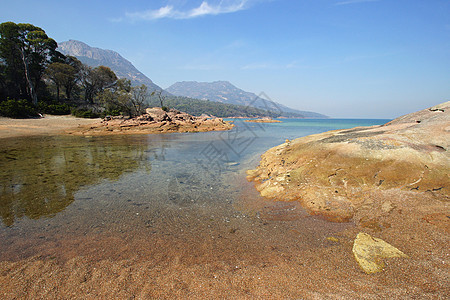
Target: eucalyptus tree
{"x":139,"y":97}
{"x":96,"y":80}
{"x":26,"y":50}
{"x":61,"y":74}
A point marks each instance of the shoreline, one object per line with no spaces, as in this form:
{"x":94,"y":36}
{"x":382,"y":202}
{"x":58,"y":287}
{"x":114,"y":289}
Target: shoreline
{"x":69,"y":125}
{"x":48,"y":125}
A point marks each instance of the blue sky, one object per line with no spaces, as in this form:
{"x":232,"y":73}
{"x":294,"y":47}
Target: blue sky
{"x":343,"y":58}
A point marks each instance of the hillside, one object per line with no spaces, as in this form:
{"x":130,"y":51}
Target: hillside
{"x":225,"y":92}
{"x":95,"y":57}
{"x":197,"y":107}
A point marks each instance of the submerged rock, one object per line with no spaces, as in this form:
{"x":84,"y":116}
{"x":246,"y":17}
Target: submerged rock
{"x":369,"y":252}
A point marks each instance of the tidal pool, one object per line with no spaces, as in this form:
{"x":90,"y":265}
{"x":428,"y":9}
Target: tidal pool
{"x":174,"y":201}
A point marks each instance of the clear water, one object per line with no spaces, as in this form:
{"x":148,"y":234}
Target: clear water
{"x":149,"y":195}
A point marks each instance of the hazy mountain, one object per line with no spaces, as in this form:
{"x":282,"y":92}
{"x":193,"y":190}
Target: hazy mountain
{"x":95,"y":57}
{"x":224,"y":91}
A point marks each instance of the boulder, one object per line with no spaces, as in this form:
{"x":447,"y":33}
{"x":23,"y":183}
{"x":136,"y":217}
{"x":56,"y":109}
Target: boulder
{"x":353,"y":173}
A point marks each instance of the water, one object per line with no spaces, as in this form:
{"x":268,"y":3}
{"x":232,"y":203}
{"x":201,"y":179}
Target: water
{"x":158,"y":196}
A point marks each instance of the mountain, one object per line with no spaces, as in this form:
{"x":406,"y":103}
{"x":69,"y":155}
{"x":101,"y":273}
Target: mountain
{"x":95,"y":57}
{"x":225,"y":92}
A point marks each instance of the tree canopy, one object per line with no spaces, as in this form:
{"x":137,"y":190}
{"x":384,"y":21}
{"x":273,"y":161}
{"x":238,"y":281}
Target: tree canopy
{"x":25,"y":52}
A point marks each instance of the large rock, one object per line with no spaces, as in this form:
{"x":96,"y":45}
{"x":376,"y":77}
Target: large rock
{"x":155,"y":120}
{"x":353,"y":173}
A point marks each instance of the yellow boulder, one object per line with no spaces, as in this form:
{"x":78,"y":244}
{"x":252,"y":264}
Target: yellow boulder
{"x":369,"y":252}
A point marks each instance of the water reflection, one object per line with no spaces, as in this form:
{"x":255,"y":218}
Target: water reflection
{"x":39,"y":176}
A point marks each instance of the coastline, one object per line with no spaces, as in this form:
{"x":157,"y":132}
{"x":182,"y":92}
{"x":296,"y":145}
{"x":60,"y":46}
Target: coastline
{"x":70,"y":125}
{"x":263,"y":121}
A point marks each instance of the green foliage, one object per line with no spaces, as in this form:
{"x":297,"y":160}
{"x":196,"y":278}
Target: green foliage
{"x":25,"y":50}
{"x":85,"y":113}
{"x":198,"y":107}
{"x":124,"y":98}
{"x":113,"y":112}
{"x":61,"y":74}
{"x":18,"y":109}
{"x":96,"y":80}
{"x":165,"y":108}
{"x":54,"y":108}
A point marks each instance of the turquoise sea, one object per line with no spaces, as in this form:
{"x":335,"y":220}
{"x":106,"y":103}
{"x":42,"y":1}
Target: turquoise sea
{"x":121,"y":196}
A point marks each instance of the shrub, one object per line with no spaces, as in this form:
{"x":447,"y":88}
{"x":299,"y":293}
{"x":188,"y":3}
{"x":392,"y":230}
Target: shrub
{"x":54,"y":108}
{"x":165,"y":108}
{"x":112,"y":112}
{"x":19,"y":109}
{"x":85,"y":113}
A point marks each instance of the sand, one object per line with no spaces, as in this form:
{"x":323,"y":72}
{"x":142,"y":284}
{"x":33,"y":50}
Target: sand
{"x":48,"y":125}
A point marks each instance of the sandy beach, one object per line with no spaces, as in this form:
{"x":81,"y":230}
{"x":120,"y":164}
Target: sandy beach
{"x":48,"y":125}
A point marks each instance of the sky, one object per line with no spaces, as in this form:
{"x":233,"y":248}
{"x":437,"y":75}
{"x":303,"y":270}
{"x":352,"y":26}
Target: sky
{"x":342,"y":58}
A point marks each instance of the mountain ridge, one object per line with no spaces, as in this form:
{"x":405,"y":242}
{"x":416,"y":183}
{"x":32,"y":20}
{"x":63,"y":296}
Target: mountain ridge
{"x":94,"y":57}
{"x":226,"y":92}
{"x":217,"y":91}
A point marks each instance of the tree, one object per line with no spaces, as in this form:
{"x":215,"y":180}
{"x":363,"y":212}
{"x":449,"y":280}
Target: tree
{"x":96,"y":80}
{"x":71,"y":83}
{"x":26,"y":49}
{"x":160,"y":95}
{"x":139,"y":95}
{"x":61,"y":74}
{"x":117,"y":97}
{"x":124,"y":98}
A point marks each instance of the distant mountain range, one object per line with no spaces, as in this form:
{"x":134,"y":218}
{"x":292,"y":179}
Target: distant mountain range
{"x":95,"y":57}
{"x":218,"y":91}
{"x":225,"y":92}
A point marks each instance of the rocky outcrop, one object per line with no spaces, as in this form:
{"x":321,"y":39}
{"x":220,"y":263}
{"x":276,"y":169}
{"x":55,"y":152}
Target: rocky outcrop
{"x":155,"y":120}
{"x":364,"y":174}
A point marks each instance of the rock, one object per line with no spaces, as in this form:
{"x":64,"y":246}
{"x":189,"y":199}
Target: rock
{"x":369,"y":252}
{"x":333,"y":239}
{"x":363,"y":171}
{"x":155,"y":120}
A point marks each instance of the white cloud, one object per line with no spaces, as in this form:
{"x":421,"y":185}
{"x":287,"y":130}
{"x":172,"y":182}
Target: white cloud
{"x":347,"y":2}
{"x":204,"y":9}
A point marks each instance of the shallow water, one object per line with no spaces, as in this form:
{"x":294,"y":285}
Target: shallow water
{"x":177,"y":195}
